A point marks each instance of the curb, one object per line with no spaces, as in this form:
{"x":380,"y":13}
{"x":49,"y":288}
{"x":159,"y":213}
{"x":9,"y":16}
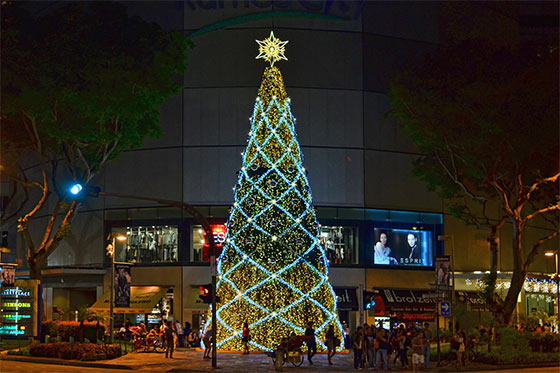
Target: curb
{"x":53,"y":361}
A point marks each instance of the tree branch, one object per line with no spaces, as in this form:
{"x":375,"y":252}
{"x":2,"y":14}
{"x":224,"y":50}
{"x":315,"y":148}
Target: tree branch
{"x":535,"y":250}
{"x":542,"y":211}
{"x":456,"y":180}
{"x":534,"y":187}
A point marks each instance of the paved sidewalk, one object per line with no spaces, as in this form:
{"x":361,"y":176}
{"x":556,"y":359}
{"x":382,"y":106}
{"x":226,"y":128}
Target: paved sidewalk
{"x":192,"y":361}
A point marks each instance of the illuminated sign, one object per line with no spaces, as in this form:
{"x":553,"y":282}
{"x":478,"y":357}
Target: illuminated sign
{"x":16,"y":304}
{"x":219,"y":234}
{"x":7,"y":317}
{"x":19,"y":305}
{"x":16,"y":292}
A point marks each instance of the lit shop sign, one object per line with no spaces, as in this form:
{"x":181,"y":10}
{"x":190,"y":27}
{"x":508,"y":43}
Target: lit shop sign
{"x":16,"y":292}
{"x":7,"y":317}
{"x":16,"y":304}
{"x":13,"y":329}
{"x":219,"y":234}
{"x":19,"y":304}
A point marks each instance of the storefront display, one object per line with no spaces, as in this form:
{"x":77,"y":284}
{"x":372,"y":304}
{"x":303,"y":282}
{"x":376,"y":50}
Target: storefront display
{"x":340,"y":244}
{"x":199,"y":247}
{"x":152,"y":244}
{"x":403,"y":247}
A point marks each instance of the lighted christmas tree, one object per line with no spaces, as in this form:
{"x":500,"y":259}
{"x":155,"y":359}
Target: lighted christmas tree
{"x":273,"y":272}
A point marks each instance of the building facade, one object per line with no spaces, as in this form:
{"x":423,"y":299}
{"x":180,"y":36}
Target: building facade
{"x":341,"y":58}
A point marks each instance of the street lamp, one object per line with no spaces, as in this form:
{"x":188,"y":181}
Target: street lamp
{"x":443,"y":238}
{"x":555,"y":255}
{"x":111,"y":253}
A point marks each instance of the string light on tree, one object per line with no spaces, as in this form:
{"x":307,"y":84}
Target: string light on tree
{"x":276,"y":274}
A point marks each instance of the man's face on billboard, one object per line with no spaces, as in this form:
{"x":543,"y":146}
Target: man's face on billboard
{"x":411,"y":240}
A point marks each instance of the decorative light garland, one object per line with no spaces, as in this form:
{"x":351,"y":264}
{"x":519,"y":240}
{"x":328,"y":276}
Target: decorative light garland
{"x":531,"y":285}
{"x":273,"y":272}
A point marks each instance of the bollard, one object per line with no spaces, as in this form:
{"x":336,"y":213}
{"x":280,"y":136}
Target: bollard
{"x":47,"y":338}
{"x":58,"y":338}
{"x":71,"y":339}
{"x":278,"y":359}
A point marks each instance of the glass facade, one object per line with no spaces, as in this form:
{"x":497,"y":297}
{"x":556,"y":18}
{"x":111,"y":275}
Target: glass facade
{"x":340,"y":244}
{"x":148,"y":244}
{"x":349,"y":237}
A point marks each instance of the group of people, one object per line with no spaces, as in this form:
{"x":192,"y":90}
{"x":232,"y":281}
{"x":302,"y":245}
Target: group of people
{"x":375,"y":347}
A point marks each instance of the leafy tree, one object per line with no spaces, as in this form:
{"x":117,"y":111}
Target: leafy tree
{"x":79,"y":85}
{"x":486,"y":118}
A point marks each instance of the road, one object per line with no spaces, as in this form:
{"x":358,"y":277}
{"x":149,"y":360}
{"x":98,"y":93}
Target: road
{"x":16,"y":366}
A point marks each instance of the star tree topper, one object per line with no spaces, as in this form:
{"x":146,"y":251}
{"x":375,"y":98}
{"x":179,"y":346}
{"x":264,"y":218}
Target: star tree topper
{"x":271,"y":49}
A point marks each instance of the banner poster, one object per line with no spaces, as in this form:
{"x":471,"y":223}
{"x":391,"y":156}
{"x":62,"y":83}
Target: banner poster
{"x":442,"y":268}
{"x":8,"y":275}
{"x":122,"y":285}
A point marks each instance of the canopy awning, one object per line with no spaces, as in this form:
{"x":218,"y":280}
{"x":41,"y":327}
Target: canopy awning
{"x":142,"y":300}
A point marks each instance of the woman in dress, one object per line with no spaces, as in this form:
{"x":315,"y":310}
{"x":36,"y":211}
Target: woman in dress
{"x":382,"y":251}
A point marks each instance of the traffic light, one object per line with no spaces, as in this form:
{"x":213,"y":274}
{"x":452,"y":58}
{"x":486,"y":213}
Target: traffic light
{"x":369,"y":300}
{"x":206,"y":293}
{"x":79,"y":190}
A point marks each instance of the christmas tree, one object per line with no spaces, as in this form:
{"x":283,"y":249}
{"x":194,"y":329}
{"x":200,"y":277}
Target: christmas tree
{"x":273,"y":273}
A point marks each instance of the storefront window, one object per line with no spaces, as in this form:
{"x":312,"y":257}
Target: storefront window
{"x":198,"y":245}
{"x":151,"y":244}
{"x":340,"y":243}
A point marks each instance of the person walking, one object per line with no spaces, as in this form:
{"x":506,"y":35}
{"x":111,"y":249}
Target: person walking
{"x":428,"y":338}
{"x":370,"y":346}
{"x":207,"y":339}
{"x":187,"y":332}
{"x":417,"y":351}
{"x":381,"y":354}
{"x":169,"y":334}
{"x":180,"y":335}
{"x":402,"y":344}
{"x":357,"y":346}
{"x":311,"y":343}
{"x":330,"y":342}
{"x":459,"y":344}
{"x":245,"y":337}
{"x":346,"y":331}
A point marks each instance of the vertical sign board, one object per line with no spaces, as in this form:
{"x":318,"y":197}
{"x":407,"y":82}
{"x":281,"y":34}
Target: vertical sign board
{"x":442,"y":267}
{"x":122,"y":285}
{"x":19,"y":305}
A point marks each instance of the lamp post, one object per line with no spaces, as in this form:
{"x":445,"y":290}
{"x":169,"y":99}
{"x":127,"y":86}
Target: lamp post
{"x":111,"y":253}
{"x":443,"y":238}
{"x":555,"y":255}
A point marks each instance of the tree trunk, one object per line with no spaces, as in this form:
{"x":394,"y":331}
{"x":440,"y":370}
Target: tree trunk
{"x":519,"y":274}
{"x":35,"y":269}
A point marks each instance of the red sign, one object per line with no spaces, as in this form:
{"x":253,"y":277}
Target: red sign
{"x":219,"y":234}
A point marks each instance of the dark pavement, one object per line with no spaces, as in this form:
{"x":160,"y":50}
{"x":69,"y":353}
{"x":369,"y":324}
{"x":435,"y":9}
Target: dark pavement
{"x":185,"y":361}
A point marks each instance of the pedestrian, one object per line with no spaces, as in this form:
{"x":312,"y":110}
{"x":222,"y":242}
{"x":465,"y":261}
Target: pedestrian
{"x":187,"y":332}
{"x":330,"y":341}
{"x":245,"y":337}
{"x":402,"y":344}
{"x":346,"y":331}
{"x":207,"y":339}
{"x":428,"y":339}
{"x":180,"y":335}
{"x":383,"y":347}
{"x":357,"y":346}
{"x":459,"y":346}
{"x":169,"y":339}
{"x":417,"y":351}
{"x":311,"y":343}
{"x":370,"y":346}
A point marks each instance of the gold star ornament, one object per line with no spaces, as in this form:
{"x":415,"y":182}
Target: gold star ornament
{"x":271,"y":49}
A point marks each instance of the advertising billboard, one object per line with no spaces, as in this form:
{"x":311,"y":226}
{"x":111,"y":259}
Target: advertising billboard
{"x":403,"y":247}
